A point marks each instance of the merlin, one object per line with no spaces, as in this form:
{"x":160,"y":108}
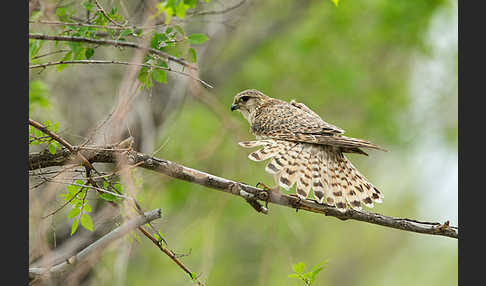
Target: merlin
{"x":306,"y":151}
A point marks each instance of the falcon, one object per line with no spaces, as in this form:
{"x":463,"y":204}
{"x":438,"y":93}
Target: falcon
{"x":305,"y":150}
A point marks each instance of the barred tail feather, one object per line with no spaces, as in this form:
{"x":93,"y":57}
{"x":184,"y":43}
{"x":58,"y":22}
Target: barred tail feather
{"x":337,"y":183}
{"x":304,"y":177}
{"x":290,"y":172}
{"x":319,"y":183}
{"x":332,"y":177}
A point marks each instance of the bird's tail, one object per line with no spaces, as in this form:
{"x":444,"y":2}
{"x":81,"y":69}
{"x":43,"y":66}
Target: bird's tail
{"x":327,"y":171}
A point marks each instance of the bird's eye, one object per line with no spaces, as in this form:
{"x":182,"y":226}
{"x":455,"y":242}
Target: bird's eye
{"x":245,"y":98}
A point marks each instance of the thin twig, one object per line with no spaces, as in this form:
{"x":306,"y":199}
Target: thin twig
{"x":96,"y":247}
{"x":51,"y":53}
{"x":170,"y":254}
{"x":57,"y":23}
{"x":218,"y":12}
{"x":61,"y":141}
{"x":65,"y":204}
{"x":117,"y":63}
{"x":91,"y":187}
{"x":112,"y":43}
{"x":100,"y":8}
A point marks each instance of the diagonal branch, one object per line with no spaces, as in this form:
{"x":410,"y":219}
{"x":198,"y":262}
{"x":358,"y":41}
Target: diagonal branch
{"x":171,"y":256}
{"x":105,"y":155}
{"x":96,"y":247}
{"x":239,"y":4}
{"x":112,"y":43}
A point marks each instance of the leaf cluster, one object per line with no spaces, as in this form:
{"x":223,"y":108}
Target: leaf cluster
{"x":307,"y":277}
{"x":37,"y":137}
{"x":169,"y":38}
{"x":76,"y":197}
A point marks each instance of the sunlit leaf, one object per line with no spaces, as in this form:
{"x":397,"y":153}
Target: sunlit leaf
{"x":74,"y":226}
{"x":87,"y":222}
{"x":73,"y":213}
{"x":52,"y":148}
{"x":299,"y":267}
{"x":196,"y":39}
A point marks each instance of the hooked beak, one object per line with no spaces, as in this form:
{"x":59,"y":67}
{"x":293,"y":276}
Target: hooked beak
{"x":234,"y":107}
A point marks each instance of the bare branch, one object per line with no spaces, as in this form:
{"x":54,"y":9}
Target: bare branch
{"x":239,"y":4}
{"x":105,"y":155}
{"x":118,"y":63}
{"x":171,"y":255}
{"x":61,"y":141}
{"x":112,"y":43}
{"x":100,"y":8}
{"x":58,"y":23}
{"x":97,"y":246}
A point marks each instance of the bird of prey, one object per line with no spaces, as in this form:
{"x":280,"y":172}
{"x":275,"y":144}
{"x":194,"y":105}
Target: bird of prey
{"x":306,"y":150}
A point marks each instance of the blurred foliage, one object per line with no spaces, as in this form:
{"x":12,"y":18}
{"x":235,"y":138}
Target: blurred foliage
{"x":353,"y":64}
{"x":350,"y":64}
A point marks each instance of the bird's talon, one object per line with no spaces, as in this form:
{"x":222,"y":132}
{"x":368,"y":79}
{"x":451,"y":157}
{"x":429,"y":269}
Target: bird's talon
{"x":263,"y":186}
{"x":266,"y":189}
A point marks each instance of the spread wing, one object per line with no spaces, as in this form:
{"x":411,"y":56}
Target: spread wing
{"x":294,"y":121}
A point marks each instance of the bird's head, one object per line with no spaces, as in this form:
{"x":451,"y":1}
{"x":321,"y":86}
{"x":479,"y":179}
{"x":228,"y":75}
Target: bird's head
{"x":248,"y":101}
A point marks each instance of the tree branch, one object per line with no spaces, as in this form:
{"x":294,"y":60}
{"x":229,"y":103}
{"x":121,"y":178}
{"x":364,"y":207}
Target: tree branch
{"x":107,"y":154}
{"x":44,"y":65}
{"x":218,"y":12}
{"x":171,"y":256}
{"x":97,"y":246}
{"x":58,"y":23}
{"x":112,"y":43}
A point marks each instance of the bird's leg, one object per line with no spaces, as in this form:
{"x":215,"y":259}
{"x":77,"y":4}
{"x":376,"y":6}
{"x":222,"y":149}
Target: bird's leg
{"x":268,"y":190}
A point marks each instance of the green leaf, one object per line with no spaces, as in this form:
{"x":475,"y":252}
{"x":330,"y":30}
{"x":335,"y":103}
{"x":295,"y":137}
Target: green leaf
{"x":87,"y":208}
{"x":118,"y":187}
{"x":196,"y":39}
{"x":192,"y":55}
{"x":100,"y":19}
{"x":68,"y":56}
{"x":34,"y":47}
{"x":180,"y":10}
{"x":38,"y":94}
{"x":74,"y":227}
{"x":78,"y":50}
{"x":86,"y":222}
{"x":79,"y":182}
{"x":88,"y":5}
{"x":336,"y":2}
{"x":144,"y":78}
{"x":127,"y":32}
{"x":299,"y":267}
{"x":158,"y":41}
{"x":108,"y":197}
{"x":294,"y":276}
{"x":190,"y":3}
{"x":52,"y":148}
{"x":74,"y":213}
{"x":159,"y":75}
{"x":89,"y":53}
{"x":307,"y":275}
{"x":61,"y":14}
{"x":55,"y":128}
{"x":38,"y":133}
{"x":72,"y":189}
